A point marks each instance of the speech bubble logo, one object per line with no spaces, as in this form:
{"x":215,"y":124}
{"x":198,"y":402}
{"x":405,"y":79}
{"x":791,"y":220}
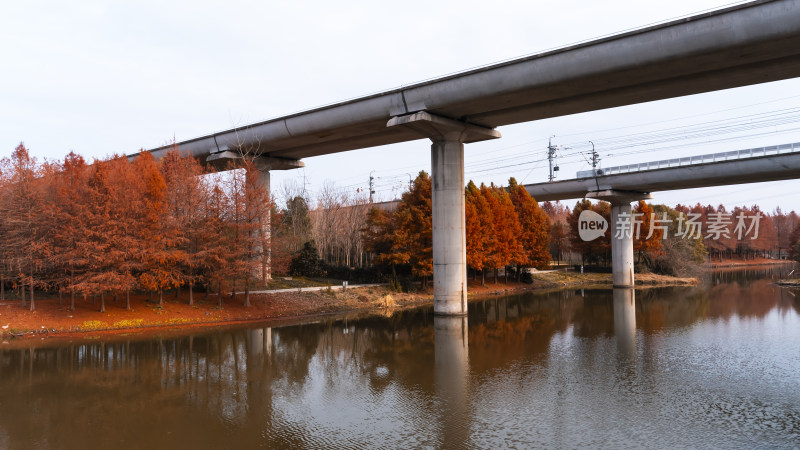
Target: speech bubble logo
{"x":591,"y":225}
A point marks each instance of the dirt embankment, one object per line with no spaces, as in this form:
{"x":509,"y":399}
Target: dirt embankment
{"x":53,"y":320}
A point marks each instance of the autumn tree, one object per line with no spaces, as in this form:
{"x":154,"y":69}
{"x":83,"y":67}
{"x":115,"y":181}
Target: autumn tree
{"x":507,"y":229}
{"x":71,"y":211}
{"x":534,"y":226}
{"x":785,"y":227}
{"x":186,"y":192}
{"x":256,"y":213}
{"x":681,"y":253}
{"x":559,"y":229}
{"x":23,"y":241}
{"x":479,"y":221}
{"x":647,"y":238}
{"x":379,"y":239}
{"x":217,"y":238}
{"x":414,"y":227}
{"x":159,"y":233}
{"x":597,"y":249}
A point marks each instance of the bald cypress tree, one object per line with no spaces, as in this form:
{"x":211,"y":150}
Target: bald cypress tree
{"x":534,"y":227}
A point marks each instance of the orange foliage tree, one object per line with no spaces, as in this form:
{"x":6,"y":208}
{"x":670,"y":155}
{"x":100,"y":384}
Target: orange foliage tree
{"x":507,"y":229}
{"x":534,"y":226}
{"x":481,"y":239}
{"x":646,"y":244}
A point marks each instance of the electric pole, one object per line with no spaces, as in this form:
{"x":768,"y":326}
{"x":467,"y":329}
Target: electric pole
{"x":551,"y":157}
{"x":371,"y":186}
{"x":595,"y":159}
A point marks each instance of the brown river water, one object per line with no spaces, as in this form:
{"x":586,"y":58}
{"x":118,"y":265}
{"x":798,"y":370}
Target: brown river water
{"x":717,"y":365}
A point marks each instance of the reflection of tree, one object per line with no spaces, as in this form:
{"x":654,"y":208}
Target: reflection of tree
{"x":249,"y":387}
{"x":521,"y":325}
{"x":660,"y":308}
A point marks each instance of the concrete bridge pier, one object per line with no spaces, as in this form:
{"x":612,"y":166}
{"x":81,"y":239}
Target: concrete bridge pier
{"x":259,"y":178}
{"x":621,"y":248}
{"x":621,"y":239}
{"x":447,"y":191}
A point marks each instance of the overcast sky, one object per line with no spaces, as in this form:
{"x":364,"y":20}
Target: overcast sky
{"x":101,"y":77}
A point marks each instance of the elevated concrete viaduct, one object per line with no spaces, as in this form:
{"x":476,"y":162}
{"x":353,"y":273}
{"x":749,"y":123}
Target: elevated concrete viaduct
{"x":741,"y":45}
{"x":623,"y":188}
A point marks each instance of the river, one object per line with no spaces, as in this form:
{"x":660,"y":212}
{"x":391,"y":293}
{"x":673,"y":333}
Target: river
{"x":717,"y":365}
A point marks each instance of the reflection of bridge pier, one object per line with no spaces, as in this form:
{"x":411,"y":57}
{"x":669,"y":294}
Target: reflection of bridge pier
{"x":452,"y":377}
{"x":625,"y":319}
{"x":259,"y":341}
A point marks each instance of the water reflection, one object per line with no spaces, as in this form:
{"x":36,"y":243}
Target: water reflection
{"x":452,"y":378}
{"x":625,"y":320}
{"x":566,"y":368}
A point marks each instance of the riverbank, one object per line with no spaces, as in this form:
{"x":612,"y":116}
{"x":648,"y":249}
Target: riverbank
{"x":53,"y":320}
{"x":733,"y":263}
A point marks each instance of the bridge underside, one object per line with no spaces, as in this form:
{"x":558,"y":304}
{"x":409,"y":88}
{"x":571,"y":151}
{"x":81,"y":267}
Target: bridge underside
{"x":742,"y":45}
{"x":722,"y":173}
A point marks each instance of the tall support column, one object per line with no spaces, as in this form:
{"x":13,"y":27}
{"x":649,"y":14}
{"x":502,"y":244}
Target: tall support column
{"x":262,"y":164}
{"x":449,"y":230}
{"x":621,"y":240}
{"x":262,"y":182}
{"x":447,"y":203}
{"x":621,"y":248}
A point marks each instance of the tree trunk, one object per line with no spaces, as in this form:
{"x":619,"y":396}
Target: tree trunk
{"x":103,"y":302}
{"x":483,"y":277}
{"x":33,"y":305}
{"x":495,"y":275}
{"x":71,"y":289}
{"x":191,"y":296}
{"x":60,"y":296}
{"x":247,"y":290}
{"x":127,"y":299}
{"x":161,"y":298}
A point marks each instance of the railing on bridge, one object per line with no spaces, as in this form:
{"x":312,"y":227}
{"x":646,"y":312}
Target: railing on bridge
{"x":699,"y":159}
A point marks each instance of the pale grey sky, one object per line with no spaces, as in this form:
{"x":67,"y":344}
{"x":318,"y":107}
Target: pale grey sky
{"x":101,"y":77}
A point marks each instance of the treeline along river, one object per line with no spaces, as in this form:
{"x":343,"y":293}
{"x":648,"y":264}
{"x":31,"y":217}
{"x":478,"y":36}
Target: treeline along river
{"x":717,"y":365}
